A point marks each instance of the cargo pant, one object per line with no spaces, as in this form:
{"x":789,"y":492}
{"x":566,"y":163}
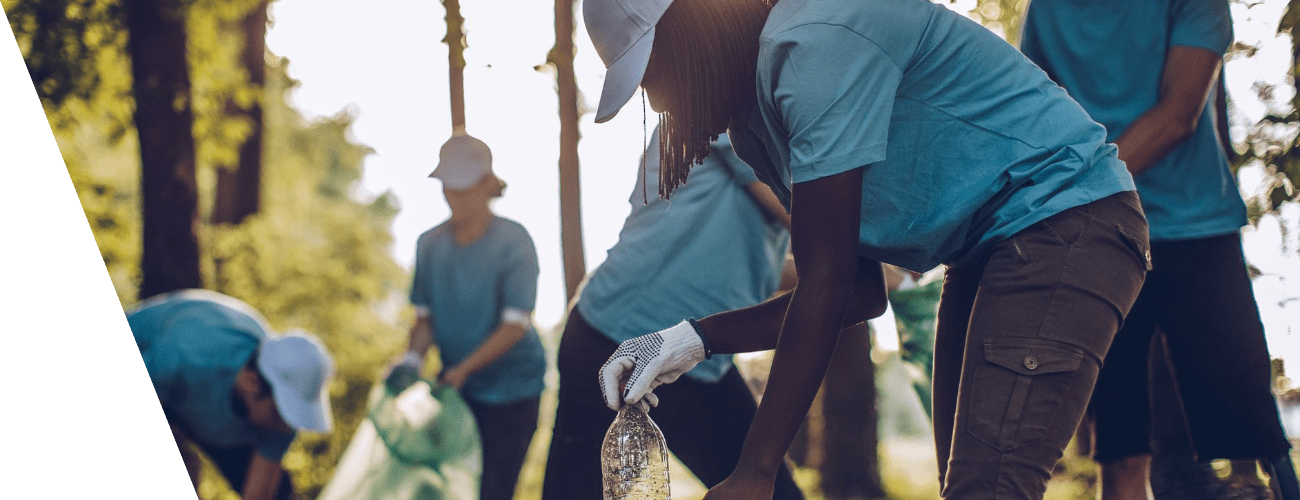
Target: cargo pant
{"x":1019,"y":342}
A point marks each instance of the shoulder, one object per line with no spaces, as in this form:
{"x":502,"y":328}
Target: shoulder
{"x":442,"y":230}
{"x":832,"y":29}
{"x":512,"y":230}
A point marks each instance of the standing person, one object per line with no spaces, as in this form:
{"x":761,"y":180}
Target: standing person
{"x":719,"y":244}
{"x":232,"y":388}
{"x":474,"y":288}
{"x":1149,"y":72}
{"x":894,"y":131}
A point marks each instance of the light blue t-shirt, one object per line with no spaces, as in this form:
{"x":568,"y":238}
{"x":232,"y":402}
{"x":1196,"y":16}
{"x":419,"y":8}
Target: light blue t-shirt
{"x":708,"y":249}
{"x":465,"y":289}
{"x":193,"y":343}
{"x":964,"y":141}
{"x":1109,"y":54}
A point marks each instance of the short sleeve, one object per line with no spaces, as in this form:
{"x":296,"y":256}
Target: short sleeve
{"x":832,"y":90}
{"x":1206,"y":24}
{"x":421,"y":289}
{"x":273,"y":445}
{"x":519,"y":286}
{"x":722,"y":152}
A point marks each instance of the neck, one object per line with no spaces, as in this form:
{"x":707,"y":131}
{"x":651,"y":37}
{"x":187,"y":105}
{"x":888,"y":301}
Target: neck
{"x":471,"y":228}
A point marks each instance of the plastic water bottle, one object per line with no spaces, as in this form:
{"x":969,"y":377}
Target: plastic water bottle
{"x":634,"y":458}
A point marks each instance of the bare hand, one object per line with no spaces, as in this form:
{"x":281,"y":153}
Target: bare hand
{"x":453,"y":377}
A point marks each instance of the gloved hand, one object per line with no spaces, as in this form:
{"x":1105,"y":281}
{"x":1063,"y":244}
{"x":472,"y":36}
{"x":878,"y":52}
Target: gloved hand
{"x":654,"y":359}
{"x":404,"y":373}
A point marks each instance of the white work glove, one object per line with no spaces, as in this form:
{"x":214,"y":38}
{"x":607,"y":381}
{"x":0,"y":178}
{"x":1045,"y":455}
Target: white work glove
{"x":654,"y":359}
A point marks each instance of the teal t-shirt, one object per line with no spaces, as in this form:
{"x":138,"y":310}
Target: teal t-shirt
{"x":964,"y":141}
{"x":708,"y":249}
{"x":465,"y":289}
{"x":193,"y":343}
{"x":1109,"y":54}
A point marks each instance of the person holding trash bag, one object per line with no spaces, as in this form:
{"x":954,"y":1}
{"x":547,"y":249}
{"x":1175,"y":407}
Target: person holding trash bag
{"x":231,"y":387}
{"x":474,"y":288}
{"x":894,"y":131}
{"x":1149,"y":71}
{"x":719,"y":244}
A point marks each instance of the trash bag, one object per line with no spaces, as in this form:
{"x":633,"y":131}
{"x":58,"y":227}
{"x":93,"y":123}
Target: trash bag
{"x":902,"y":414}
{"x":420,"y":444}
{"x":916,"y":309}
{"x":905,"y":434}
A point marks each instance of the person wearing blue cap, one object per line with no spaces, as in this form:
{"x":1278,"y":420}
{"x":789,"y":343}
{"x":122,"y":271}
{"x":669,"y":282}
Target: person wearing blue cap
{"x":231,"y":387}
{"x":474,"y":288}
{"x":717,"y":245}
{"x":1150,"y":72}
{"x":893,"y":131}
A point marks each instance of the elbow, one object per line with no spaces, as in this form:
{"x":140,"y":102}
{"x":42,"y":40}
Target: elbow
{"x":1183,"y":128}
{"x":864,"y":309}
{"x":876,"y":307}
{"x":1179,"y":121}
{"x":870,"y":297}
{"x":866,"y":304}
{"x":515,"y":332}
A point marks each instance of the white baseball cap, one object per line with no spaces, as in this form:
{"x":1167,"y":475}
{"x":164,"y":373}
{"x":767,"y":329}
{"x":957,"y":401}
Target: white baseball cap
{"x":462,"y":162}
{"x":299,"y":369}
{"x":623,"y":32}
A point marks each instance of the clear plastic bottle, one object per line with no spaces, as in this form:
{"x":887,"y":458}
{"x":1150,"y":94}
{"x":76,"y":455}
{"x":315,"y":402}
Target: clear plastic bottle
{"x":634,"y":458}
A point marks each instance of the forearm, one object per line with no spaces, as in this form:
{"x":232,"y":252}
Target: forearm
{"x":263,"y":480}
{"x":754,"y":328}
{"x":1188,"y":76}
{"x":421,"y":336}
{"x":757,"y":328}
{"x":1151,"y":137}
{"x":803,"y":352}
{"x":492,"y":348}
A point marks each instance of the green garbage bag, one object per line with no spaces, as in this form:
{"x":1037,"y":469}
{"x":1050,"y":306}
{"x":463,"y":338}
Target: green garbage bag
{"x":419,"y":444}
{"x":915,"y":310}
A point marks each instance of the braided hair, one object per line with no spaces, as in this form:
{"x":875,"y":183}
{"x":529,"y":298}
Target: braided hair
{"x":708,"y":50}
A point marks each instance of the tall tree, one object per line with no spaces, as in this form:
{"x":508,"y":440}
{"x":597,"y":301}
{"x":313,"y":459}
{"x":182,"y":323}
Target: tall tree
{"x":455,"y":41}
{"x":850,"y":465}
{"x":164,"y":121}
{"x":239,"y":189}
{"x":561,"y":57}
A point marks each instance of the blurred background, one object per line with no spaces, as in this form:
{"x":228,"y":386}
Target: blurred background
{"x":293,"y":176}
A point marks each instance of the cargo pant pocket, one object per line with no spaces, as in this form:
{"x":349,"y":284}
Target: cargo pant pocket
{"x":1136,"y":242}
{"x":1018,"y":390}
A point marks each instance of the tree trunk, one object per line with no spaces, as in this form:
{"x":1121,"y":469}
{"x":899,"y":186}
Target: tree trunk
{"x":164,"y":120}
{"x":239,"y":190}
{"x":850,"y":467}
{"x":455,"y":41}
{"x":575,"y":266}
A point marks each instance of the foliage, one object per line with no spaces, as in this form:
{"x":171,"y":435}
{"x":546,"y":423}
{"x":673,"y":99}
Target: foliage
{"x":75,"y":52}
{"x":63,"y":40}
{"x":1274,"y":140}
{"x":1002,"y":17}
{"x":315,"y":258}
